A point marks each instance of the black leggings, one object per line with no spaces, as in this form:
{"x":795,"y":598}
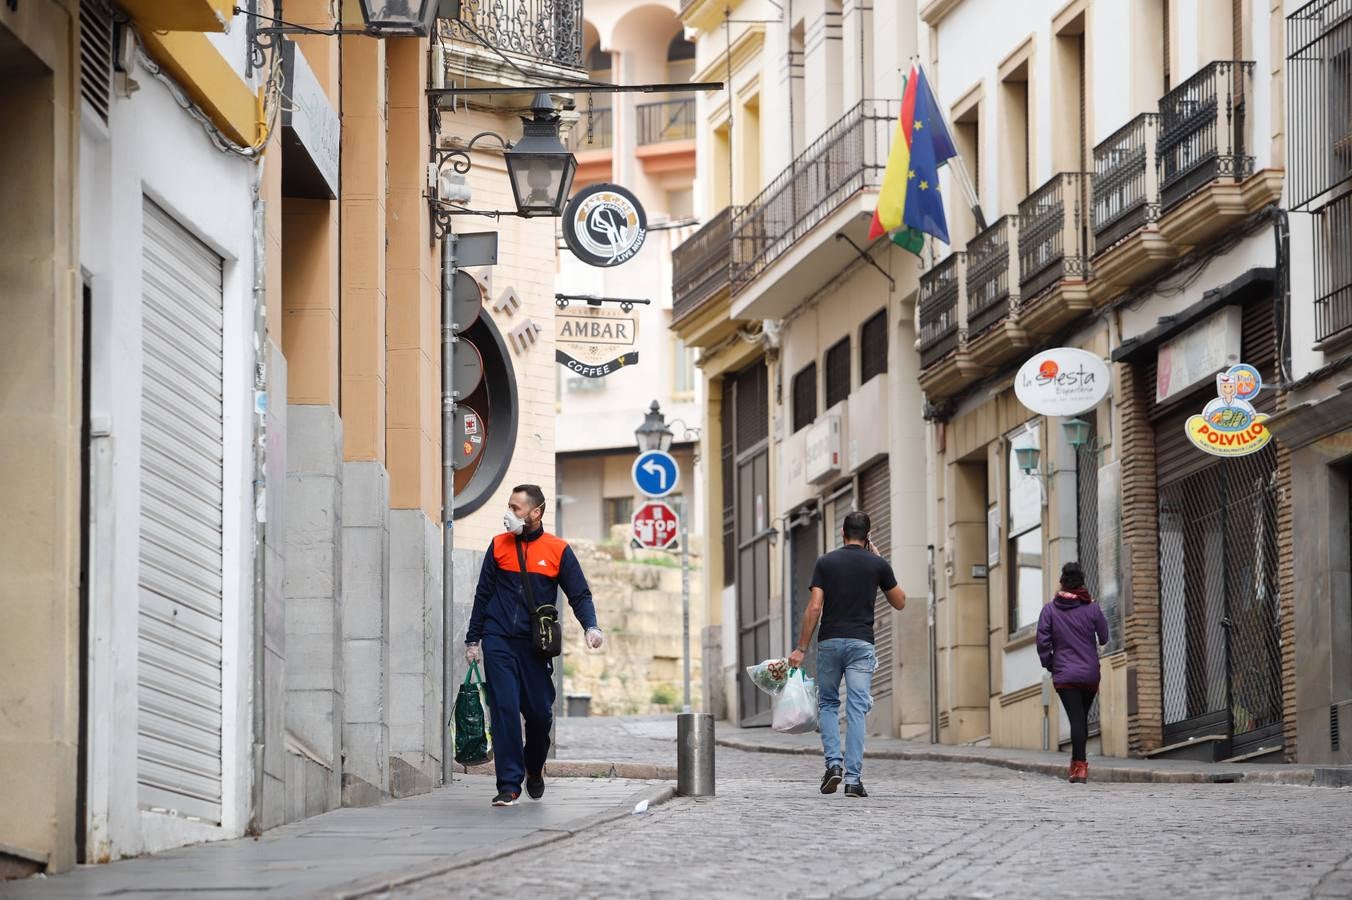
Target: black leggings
{"x":1077,"y":702}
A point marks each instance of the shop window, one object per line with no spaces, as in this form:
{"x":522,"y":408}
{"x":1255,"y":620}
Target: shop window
{"x":838,"y":373}
{"x":1025,"y":546}
{"x":805,"y":397}
{"x":873,"y":347}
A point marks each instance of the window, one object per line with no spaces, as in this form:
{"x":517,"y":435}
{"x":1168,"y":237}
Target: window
{"x":1025,"y":545}
{"x":618,"y":511}
{"x":683,"y":378}
{"x":680,"y":59}
{"x":805,"y":397}
{"x":837,"y":373}
{"x":873,"y":347}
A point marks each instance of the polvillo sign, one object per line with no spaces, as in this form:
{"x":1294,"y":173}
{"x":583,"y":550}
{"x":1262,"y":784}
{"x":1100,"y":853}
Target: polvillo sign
{"x":1229,"y":425}
{"x":594,"y":341}
{"x":1062,"y":381}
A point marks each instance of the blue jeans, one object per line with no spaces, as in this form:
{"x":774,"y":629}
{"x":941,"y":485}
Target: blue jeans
{"x":853,"y":660}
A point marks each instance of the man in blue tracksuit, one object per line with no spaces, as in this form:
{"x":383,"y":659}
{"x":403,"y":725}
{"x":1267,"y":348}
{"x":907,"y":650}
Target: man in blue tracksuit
{"x":521,"y":681}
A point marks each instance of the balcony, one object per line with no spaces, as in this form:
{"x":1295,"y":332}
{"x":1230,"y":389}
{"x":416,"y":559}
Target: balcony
{"x":1053,"y":263}
{"x":1333,"y":274}
{"x":1126,"y":184}
{"x":672,"y":120}
{"x":992,"y":266}
{"x":701,"y":269}
{"x":782,"y":241}
{"x":547,"y":33}
{"x":1319,"y":101}
{"x":1202,"y":134}
{"x":938,"y":309}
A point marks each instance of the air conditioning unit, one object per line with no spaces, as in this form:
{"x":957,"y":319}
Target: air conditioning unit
{"x":823,"y":450}
{"x":581,"y":384}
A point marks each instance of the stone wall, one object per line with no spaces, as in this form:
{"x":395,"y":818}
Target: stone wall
{"x":638,"y":604}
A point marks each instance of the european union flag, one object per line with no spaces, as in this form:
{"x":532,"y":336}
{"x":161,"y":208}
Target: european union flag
{"x":930,"y":146}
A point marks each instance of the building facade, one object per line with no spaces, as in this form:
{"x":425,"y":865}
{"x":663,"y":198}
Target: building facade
{"x":229,"y":575}
{"x":645,"y":143}
{"x":803,"y":329}
{"x":1316,"y":424}
{"x":1129,"y":159}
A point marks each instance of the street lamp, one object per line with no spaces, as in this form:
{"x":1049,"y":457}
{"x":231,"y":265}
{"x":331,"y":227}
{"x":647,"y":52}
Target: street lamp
{"x":401,"y":18}
{"x":1076,"y":431}
{"x":653,"y":434}
{"x":1027,"y":453}
{"x":540,"y":166}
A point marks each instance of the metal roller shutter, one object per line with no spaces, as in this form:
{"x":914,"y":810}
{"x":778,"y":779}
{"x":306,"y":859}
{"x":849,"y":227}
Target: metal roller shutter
{"x":875,"y":500}
{"x":179,"y":626}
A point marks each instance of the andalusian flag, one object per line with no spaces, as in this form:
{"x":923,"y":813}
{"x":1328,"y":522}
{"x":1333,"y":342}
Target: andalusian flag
{"x":909,"y":203}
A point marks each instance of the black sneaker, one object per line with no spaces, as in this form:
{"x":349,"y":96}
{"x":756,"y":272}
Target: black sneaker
{"x":855,"y":790}
{"x":505,"y":798}
{"x":831,"y":780}
{"x":535,"y":786}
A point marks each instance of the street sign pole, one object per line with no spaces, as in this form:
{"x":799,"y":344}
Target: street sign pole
{"x":685,"y":603}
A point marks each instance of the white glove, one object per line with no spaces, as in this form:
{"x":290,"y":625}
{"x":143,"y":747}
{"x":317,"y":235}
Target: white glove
{"x":473,"y":653}
{"x":595,"y":638}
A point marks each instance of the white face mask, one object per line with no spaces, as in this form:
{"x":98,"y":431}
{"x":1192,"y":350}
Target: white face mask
{"x":512,"y":523}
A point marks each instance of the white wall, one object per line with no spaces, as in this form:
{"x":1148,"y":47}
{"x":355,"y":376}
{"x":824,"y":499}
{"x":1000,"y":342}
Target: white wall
{"x":153,"y":148}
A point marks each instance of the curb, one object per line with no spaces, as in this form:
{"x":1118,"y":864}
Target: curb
{"x":572,"y":768}
{"x":1102,"y":772}
{"x":539,"y":838}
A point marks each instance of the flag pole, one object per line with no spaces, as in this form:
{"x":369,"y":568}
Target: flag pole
{"x":960,"y":170}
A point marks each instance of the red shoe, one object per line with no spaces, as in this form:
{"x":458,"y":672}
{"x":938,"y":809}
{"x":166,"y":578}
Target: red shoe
{"x":1079,"y":772}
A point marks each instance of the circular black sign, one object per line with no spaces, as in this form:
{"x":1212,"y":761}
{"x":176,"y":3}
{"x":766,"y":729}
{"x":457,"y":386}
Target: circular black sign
{"x":469,"y":433}
{"x":604,"y":225}
{"x":468,"y":372}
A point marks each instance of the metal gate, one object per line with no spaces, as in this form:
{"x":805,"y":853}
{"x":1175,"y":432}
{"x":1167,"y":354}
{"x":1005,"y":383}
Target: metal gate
{"x":1219,"y":609}
{"x":1086,"y":531}
{"x":751,"y":425}
{"x":875,"y":500}
{"x":179,"y":625}
{"x":804,"y":547}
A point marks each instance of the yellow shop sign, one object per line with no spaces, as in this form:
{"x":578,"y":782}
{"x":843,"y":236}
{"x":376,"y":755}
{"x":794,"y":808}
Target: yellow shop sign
{"x":1229,"y":425}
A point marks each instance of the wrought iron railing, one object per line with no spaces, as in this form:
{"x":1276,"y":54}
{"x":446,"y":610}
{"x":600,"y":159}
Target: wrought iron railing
{"x":701,"y":265}
{"x":1051,"y":235}
{"x":1333,"y":269}
{"x":992,"y":266}
{"x":939,"y":307}
{"x":1126,"y":182}
{"x":598,"y":136}
{"x":1202,"y":131}
{"x":672,"y":120}
{"x":1319,"y":99}
{"x":546,"y":30}
{"x":847,"y":158}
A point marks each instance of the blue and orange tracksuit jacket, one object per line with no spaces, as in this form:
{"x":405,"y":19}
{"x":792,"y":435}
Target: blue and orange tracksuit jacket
{"x":500,"y":600}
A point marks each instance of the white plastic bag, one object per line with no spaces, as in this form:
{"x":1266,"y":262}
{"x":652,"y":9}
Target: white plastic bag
{"x":770,"y":676}
{"x":795,"y":708}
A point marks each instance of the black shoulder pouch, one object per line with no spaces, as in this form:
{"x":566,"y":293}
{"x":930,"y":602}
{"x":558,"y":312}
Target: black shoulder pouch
{"x":546,"y":632}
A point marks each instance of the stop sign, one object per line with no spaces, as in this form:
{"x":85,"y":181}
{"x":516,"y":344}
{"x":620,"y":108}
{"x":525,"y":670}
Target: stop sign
{"x":655,"y":525}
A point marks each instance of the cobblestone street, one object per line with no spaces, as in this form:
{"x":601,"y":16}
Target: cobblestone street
{"x":928,"y":830}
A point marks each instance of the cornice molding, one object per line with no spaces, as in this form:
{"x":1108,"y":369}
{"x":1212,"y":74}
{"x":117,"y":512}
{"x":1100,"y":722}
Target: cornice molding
{"x":937,"y":10}
{"x":744,"y":49}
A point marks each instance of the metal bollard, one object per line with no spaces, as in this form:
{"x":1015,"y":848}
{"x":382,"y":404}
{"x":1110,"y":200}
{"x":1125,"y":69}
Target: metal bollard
{"x":695,"y":755}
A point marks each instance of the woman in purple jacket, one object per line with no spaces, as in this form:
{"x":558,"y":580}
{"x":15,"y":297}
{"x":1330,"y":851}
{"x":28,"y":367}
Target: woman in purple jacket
{"x":1066,"y":633}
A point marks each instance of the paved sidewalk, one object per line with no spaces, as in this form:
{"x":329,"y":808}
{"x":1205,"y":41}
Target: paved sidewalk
{"x":1101,"y":768}
{"x":349,"y":853}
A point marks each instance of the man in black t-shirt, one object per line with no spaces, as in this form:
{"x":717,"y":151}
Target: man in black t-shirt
{"x":844,"y":585}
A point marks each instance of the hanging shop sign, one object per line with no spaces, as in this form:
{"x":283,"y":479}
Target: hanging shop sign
{"x":1062,"y":381}
{"x":595,"y":341}
{"x":604,"y":225}
{"x":1229,"y":425}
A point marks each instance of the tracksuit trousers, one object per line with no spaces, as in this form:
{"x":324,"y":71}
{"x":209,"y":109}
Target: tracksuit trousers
{"x":520,"y":684}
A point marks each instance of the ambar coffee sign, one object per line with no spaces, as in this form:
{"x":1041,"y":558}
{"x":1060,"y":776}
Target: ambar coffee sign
{"x":604,"y":225}
{"x":595,"y":341}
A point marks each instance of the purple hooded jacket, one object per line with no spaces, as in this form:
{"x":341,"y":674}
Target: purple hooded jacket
{"x":1066,"y":632}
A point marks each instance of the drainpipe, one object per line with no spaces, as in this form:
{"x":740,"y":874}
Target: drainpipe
{"x":448,"y":398}
{"x":260,"y":486}
{"x":933,"y":654}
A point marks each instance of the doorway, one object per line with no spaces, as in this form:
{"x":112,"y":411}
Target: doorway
{"x":751,"y":527}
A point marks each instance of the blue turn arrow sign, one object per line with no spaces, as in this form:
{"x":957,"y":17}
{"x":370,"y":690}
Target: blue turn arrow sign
{"x":656,"y":473}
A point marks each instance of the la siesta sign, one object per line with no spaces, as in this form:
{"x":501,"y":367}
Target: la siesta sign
{"x":1062,"y":381}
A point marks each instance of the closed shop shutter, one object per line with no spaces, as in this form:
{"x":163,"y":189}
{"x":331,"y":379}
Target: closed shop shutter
{"x":179,"y":625}
{"x":875,"y":500}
